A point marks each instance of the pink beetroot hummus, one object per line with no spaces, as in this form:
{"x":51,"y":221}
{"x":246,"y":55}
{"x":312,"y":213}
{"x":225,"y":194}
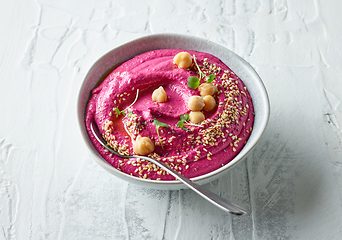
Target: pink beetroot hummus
{"x":193,"y":150}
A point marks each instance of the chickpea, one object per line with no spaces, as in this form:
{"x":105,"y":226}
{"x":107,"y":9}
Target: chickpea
{"x":207,"y":89}
{"x":159,"y":95}
{"x":195,"y":103}
{"x":143,"y":145}
{"x":183,"y":60}
{"x":196,"y":116}
{"x":209,"y":103}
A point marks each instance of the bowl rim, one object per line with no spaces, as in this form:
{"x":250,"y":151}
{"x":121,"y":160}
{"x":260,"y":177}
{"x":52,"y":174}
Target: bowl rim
{"x":176,"y":184}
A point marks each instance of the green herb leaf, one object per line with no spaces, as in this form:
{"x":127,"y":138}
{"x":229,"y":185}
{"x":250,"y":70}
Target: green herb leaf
{"x":181,"y":125}
{"x":130,"y":114}
{"x":159,"y":124}
{"x":118,"y":112}
{"x":210,"y":78}
{"x":184,"y":117}
{"x":193,"y":82}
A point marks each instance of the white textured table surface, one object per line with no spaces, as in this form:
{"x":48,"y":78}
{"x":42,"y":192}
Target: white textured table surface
{"x":50,"y":188}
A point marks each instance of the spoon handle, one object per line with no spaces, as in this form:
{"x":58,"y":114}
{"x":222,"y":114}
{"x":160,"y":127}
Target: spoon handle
{"x":215,"y":199}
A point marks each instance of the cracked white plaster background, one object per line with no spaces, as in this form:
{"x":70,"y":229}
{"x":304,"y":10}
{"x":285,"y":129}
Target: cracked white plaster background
{"x":50,"y":188}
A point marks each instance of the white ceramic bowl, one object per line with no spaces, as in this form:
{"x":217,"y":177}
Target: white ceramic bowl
{"x":109,"y":61}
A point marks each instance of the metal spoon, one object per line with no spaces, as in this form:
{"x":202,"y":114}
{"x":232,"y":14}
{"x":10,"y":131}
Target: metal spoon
{"x":208,"y":195}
